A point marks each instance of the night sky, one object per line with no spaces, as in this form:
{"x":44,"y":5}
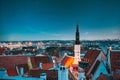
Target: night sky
{"x":57,"y":19}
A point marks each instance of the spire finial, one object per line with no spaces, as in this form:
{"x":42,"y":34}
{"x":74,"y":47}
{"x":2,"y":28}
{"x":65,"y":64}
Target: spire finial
{"x":77,"y":34}
{"x":77,"y":28}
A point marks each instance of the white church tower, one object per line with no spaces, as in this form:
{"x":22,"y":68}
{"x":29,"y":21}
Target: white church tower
{"x":63,"y":73}
{"x":77,"y":47}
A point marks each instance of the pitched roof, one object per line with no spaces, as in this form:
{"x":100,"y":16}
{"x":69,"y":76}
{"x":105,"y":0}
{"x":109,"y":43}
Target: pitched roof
{"x":34,"y":72}
{"x":102,"y":77}
{"x":12,"y":72}
{"x":40,"y":59}
{"x":24,"y":66}
{"x":8,"y":62}
{"x":47,"y":66}
{"x":51,"y":74}
{"x":116,"y":76}
{"x":2,"y":50}
{"x":90,"y":57}
{"x":115,"y":60}
{"x":67,"y":61}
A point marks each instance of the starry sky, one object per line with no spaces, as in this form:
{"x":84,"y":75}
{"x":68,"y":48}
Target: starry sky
{"x":57,"y":19}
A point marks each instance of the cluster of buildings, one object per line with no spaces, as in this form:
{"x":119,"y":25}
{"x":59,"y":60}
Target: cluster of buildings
{"x":95,"y":64}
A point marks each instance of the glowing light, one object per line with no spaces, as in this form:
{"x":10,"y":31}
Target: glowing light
{"x":68,"y":61}
{"x":110,"y":48}
{"x":54,"y":61}
{"x":30,"y":43}
{"x":25,"y":49}
{"x":33,"y":50}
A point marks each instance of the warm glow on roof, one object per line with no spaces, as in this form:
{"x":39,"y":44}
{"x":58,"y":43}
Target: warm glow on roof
{"x":67,"y":61}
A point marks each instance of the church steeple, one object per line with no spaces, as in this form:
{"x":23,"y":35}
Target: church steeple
{"x":77,"y":35}
{"x":77,"y":47}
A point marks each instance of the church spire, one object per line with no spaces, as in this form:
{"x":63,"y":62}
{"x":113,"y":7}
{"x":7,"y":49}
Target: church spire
{"x":77,"y":28}
{"x":77,"y":35}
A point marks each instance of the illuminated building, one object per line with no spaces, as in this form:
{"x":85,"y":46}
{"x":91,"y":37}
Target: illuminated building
{"x":77,"y":47}
{"x":67,"y":61}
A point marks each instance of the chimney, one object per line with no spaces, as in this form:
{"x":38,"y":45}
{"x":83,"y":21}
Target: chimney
{"x":63,"y":73}
{"x":108,"y":57}
{"x":40,"y":65}
{"x":43,"y":76}
{"x":21,"y":71}
{"x":81,"y":73}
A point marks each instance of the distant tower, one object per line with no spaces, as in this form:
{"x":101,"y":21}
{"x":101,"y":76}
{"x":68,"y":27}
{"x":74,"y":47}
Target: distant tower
{"x":77,"y":46}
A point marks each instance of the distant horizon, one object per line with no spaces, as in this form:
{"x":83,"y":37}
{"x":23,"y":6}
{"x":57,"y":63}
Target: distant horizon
{"x":59,"y":40}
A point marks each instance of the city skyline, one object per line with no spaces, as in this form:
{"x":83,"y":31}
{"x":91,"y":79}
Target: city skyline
{"x":57,"y":19}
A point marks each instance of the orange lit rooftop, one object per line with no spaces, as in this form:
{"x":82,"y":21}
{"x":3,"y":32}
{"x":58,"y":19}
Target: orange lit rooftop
{"x":67,"y":61}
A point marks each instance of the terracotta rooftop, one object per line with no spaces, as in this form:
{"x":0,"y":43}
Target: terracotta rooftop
{"x":115,"y":60}
{"x":24,"y":66}
{"x":67,"y":61}
{"x":9,"y":62}
{"x":40,"y":59}
{"x":102,"y":77}
{"x":12,"y":72}
{"x":90,"y":57}
{"x":51,"y":74}
{"x":2,"y":50}
{"x":35,"y":72}
{"x":116,"y":76}
{"x":47,"y":66}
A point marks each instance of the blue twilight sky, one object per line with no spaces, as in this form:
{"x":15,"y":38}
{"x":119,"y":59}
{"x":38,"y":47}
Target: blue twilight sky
{"x":57,"y":19}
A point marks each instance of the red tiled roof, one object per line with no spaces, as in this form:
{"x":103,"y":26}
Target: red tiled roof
{"x":35,"y":72}
{"x":12,"y":72}
{"x":116,"y":76}
{"x":51,"y":74}
{"x":102,"y":77}
{"x":24,"y":66}
{"x":2,"y":50}
{"x":37,"y":59}
{"x":46,"y":66}
{"x":16,"y":52}
{"x":90,"y":57}
{"x":115,"y":60}
{"x":6,"y":52}
{"x":8,"y":62}
{"x":67,"y":61}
